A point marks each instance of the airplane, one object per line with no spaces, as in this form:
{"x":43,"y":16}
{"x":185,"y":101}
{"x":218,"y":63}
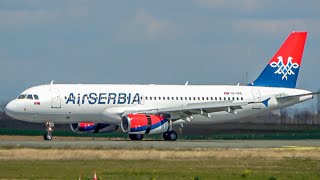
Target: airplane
{"x":154,"y":109}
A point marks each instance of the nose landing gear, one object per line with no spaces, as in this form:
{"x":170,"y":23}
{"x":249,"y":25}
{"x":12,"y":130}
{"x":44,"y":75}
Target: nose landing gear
{"x":48,"y":135}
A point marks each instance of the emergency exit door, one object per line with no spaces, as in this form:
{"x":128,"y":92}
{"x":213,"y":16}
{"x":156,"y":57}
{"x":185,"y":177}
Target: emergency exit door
{"x":256,"y":98}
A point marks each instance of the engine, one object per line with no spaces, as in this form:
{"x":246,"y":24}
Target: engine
{"x":144,"y":124}
{"x":90,"y":127}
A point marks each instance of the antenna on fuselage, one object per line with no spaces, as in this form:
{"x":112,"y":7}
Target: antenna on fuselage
{"x":52,"y":82}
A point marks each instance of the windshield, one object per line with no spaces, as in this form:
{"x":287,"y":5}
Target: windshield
{"x":36,"y":97}
{"x":29,"y":96}
{"x":22,"y":96}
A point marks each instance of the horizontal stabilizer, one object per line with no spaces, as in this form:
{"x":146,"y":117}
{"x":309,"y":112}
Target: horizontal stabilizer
{"x":297,"y":96}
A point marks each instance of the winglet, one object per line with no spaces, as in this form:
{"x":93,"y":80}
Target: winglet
{"x":52,"y":82}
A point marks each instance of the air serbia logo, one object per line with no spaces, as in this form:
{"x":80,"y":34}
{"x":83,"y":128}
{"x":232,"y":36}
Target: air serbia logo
{"x":104,"y":98}
{"x":284,"y":69}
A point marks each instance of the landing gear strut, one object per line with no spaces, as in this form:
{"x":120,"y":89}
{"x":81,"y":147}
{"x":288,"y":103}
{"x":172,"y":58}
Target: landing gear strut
{"x":170,"y":136}
{"x":48,"y":135}
{"x":136,"y":137}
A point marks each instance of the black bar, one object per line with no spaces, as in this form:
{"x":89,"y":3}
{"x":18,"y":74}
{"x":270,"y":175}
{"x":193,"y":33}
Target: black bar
{"x":149,"y":124}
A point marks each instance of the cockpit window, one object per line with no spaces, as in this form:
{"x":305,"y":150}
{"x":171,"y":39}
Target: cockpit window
{"x":36,"y":97}
{"x":29,"y":96}
{"x":22,"y":96}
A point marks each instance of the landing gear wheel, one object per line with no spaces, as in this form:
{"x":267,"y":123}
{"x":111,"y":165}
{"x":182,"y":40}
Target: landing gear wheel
{"x":165,"y":136}
{"x":136,"y":137}
{"x":48,"y":135}
{"x":170,"y":136}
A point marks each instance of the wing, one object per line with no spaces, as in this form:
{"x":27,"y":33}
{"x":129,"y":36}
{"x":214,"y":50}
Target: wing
{"x":188,"y":110}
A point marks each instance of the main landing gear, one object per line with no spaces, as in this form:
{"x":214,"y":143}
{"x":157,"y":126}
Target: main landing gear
{"x":136,"y":137}
{"x":170,"y":136}
{"x":167,"y":136}
{"x":48,"y":135}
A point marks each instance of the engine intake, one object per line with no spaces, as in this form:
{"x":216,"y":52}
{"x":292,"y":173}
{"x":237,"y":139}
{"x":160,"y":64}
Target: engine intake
{"x":144,"y":124}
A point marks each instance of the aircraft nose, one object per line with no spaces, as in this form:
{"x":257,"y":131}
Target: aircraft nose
{"x":10,"y":109}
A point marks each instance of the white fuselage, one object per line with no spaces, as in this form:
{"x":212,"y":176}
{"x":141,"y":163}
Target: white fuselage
{"x":72,"y":103}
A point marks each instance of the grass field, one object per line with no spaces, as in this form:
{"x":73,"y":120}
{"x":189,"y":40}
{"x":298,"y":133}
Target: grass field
{"x":163,"y":169}
{"x":266,"y":164}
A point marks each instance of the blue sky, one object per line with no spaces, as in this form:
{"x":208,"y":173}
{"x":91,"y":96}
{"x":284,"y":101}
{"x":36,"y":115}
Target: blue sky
{"x":161,"y":42}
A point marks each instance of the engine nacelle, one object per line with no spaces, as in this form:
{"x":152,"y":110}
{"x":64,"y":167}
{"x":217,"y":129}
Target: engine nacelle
{"x":144,"y":124}
{"x":90,"y":127}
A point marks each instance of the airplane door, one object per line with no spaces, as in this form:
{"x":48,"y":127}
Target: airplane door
{"x":142,"y":99}
{"x":256,"y":98}
{"x":55,"y":98}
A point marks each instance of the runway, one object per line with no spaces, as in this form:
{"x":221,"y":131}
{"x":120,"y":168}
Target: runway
{"x":115,"y":144}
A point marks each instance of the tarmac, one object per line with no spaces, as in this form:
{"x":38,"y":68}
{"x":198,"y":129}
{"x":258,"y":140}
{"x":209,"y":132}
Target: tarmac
{"x":149,"y":144}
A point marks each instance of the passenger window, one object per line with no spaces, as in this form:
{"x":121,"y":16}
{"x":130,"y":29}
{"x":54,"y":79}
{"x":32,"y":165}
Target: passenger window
{"x":22,"y":96}
{"x":207,"y":98}
{"x":36,"y":97}
{"x":199,"y":98}
{"x":224,"y":98}
{"x":181,"y":98}
{"x":29,"y":96}
{"x":220,"y":98}
{"x":177,"y":98}
{"x":238,"y":98}
{"x":194,"y":98}
{"x":172,"y":98}
{"x":216,"y":98}
{"x":229,"y":98}
{"x":241,"y":98}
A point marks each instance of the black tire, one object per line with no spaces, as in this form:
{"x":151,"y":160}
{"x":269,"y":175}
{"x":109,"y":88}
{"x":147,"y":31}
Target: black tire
{"x":136,"y":137}
{"x":172,"y":136}
{"x":47,"y":136}
{"x":165,"y":136}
